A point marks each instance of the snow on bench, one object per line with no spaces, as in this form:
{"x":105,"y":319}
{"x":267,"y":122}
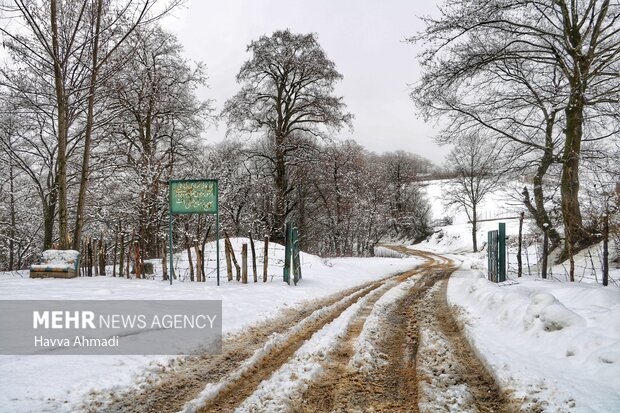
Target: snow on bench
{"x":56,"y":264}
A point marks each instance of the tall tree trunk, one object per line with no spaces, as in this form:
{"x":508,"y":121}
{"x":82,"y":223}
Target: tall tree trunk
{"x":229,"y":271}
{"x":474,"y":228}
{"x":199,"y":274}
{"x":244,"y":263}
{"x":49,"y":212}
{"x":115,"y":251}
{"x":101,"y":255}
{"x":188,"y":246}
{"x":122,"y":252}
{"x":164,"y":259}
{"x":13,"y":217}
{"x":88,"y":133}
{"x":130,"y":250}
{"x":232,"y":256}
{"x":277,"y":230}
{"x":62,"y":132}
{"x":95,"y":257}
{"x":569,"y":185}
{"x":204,"y":256}
{"x":578,"y":78}
{"x":538,"y":210}
{"x":90,"y":257}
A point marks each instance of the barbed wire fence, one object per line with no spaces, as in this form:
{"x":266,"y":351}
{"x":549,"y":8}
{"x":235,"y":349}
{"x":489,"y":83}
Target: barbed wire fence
{"x":588,"y":262}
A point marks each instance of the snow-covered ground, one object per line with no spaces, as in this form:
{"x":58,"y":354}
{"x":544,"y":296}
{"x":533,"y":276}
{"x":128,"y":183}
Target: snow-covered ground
{"x":552,"y":343}
{"x":57,"y":383}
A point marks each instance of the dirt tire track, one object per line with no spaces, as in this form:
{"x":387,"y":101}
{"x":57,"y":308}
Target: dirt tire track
{"x":237,"y":391}
{"x":395,"y":387}
{"x":487,"y":396}
{"x":390,"y":388}
{"x":173,"y":386}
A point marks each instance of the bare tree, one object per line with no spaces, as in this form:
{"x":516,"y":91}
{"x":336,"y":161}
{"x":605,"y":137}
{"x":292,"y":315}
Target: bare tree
{"x":473,"y":161}
{"x":157,"y":119}
{"x":20,"y":229}
{"x":287,"y":92}
{"x":569,"y":53}
{"x":53,"y":41}
{"x":409,"y":212}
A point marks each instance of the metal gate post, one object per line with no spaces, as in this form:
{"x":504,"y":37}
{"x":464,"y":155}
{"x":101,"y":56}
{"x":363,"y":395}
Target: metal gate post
{"x":501,"y":259}
{"x":287,"y":252}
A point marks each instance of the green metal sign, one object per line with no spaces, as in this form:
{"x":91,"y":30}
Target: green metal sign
{"x":193,"y":196}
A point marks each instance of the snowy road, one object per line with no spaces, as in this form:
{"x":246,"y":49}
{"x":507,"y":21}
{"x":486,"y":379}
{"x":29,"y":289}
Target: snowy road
{"x":391,"y":345}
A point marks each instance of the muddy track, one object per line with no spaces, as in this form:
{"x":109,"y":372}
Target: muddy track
{"x":400,"y":383}
{"x":389,"y":388}
{"x":487,"y":397}
{"x":238,"y":390}
{"x":171,"y":387}
{"x":395,"y":386}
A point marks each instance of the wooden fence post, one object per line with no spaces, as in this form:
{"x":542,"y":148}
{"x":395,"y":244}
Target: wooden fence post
{"x":606,"y":249}
{"x":188,"y":246}
{"x":137,"y":261}
{"x":199,"y":274}
{"x":254,"y":272}
{"x":287,"y":253}
{"x":266,"y":258}
{"x":233,"y":257}
{"x":228,"y":261}
{"x":244,"y":263}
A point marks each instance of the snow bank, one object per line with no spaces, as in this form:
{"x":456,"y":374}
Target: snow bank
{"x":556,"y":345}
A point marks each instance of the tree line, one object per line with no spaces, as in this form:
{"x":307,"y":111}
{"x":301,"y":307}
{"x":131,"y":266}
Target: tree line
{"x":100,"y":109}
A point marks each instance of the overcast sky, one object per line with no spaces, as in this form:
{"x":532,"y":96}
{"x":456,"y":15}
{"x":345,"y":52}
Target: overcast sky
{"x":364,"y":38}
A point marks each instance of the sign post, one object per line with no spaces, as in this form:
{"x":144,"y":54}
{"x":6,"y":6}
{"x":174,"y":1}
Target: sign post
{"x":195,"y":196}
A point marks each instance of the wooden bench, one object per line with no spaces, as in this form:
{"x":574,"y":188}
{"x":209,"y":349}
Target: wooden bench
{"x":56,"y":264}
